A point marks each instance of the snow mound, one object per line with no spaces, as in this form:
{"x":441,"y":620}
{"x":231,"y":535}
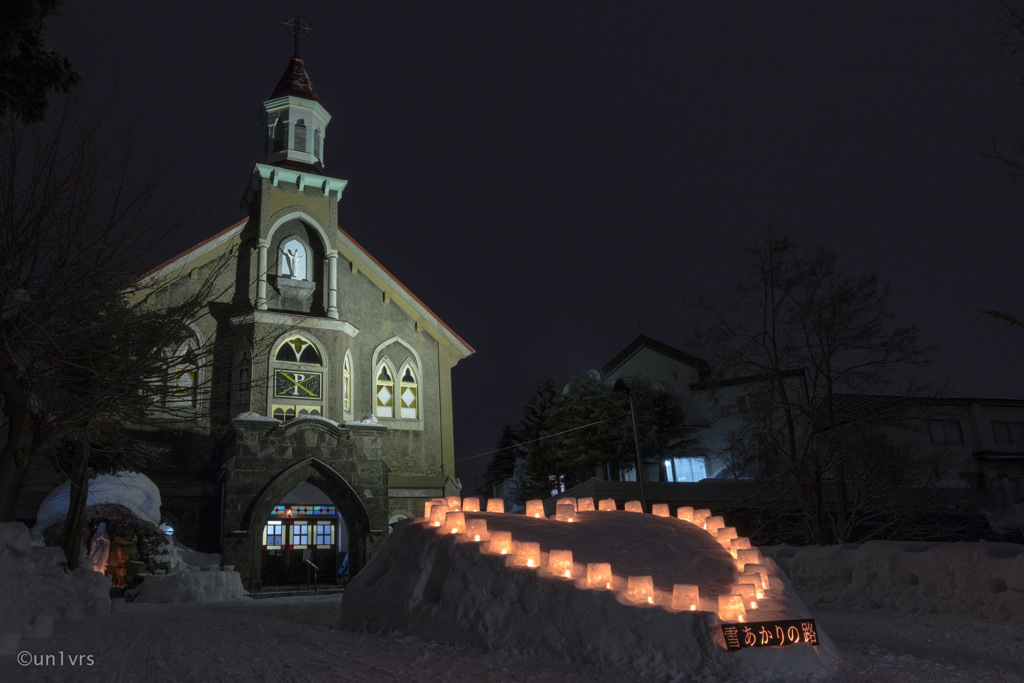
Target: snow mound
{"x":256,"y":417}
{"x":132,"y":490}
{"x":191,"y":586}
{"x":986,"y":579}
{"x":33,"y":582}
{"x":369,"y":420}
{"x":435,"y":586}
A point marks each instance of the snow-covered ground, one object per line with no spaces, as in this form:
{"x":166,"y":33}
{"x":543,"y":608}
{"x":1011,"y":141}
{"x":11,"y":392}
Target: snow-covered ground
{"x":296,"y":639}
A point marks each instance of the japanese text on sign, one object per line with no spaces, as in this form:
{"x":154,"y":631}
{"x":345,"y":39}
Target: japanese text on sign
{"x":766,"y":633}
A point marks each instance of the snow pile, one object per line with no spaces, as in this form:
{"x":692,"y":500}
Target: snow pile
{"x":33,"y":582}
{"x":132,"y":490}
{"x":986,"y":579}
{"x":256,"y":417}
{"x":430,"y":585}
{"x":369,"y":420}
{"x":191,"y":585}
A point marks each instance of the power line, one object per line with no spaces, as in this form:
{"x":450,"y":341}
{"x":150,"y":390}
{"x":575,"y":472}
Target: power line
{"x":528,"y":442}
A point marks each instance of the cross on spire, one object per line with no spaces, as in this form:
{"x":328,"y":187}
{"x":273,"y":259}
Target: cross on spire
{"x":296,"y":27}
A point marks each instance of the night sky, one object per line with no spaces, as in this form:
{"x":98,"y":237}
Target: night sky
{"x":534,"y":171}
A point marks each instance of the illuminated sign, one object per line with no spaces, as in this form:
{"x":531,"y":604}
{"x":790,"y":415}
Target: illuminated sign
{"x":769,"y":633}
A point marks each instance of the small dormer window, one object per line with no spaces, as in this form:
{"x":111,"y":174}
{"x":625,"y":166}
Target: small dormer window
{"x":316,"y":143}
{"x":300,"y":135}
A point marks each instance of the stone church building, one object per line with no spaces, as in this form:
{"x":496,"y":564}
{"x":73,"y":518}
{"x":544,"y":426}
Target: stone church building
{"x":326,"y":372}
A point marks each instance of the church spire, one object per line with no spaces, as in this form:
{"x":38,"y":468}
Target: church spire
{"x":294,"y":119}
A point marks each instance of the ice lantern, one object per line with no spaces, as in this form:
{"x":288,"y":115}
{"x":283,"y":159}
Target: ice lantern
{"x":471,"y":504}
{"x":700,"y":517}
{"x":713,"y":524}
{"x":585,"y":505}
{"x":495,"y":505}
{"x":730,"y":608}
{"x":760,"y":570}
{"x":426,"y":509}
{"x":599,"y":575}
{"x":527,"y":554}
{"x":535,"y":508}
{"x":754,"y":579}
{"x":501,"y":542}
{"x":750,"y":556}
{"x":685,"y":514}
{"x":640,"y":589}
{"x":477,"y":529}
{"x":606,"y":504}
{"x":565,"y":512}
{"x":660,"y":510}
{"x":437,"y":514}
{"x":634,"y":506}
{"x":455,"y":522}
{"x":566,"y":499}
{"x":560,"y":563}
{"x":685,"y":597}
{"x":455,"y":503}
{"x":726,"y":534}
{"x":749,"y":593}
{"x":738,"y":544}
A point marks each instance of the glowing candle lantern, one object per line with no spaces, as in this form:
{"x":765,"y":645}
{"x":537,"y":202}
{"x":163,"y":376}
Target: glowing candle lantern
{"x":599,"y":575}
{"x":685,"y":514}
{"x":585,"y":505}
{"x":495,"y":505}
{"x":726,"y":534}
{"x":634,"y":506}
{"x":685,"y":597}
{"x":535,"y":508}
{"x":501,"y":542}
{"x":700,"y":517}
{"x":760,"y":570}
{"x":713,"y":524}
{"x":471,"y":504}
{"x":565,"y":512}
{"x":606,"y":504}
{"x":567,"y":499}
{"x":455,"y":522}
{"x":731,"y":608}
{"x":477,"y":529}
{"x":455,"y":503}
{"x":560,"y":563}
{"x":751,"y":556}
{"x":527,"y":554}
{"x":640,"y":589}
{"x":749,"y":593}
{"x":738,"y":544}
{"x":754,"y":579}
{"x":659,"y":510}
{"x":437,"y":515}
{"x":426,"y":508}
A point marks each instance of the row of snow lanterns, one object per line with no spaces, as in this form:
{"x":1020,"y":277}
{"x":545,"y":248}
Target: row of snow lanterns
{"x":449,"y":513}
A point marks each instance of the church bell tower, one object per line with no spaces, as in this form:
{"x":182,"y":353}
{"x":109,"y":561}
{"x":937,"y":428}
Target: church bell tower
{"x":294,"y":122}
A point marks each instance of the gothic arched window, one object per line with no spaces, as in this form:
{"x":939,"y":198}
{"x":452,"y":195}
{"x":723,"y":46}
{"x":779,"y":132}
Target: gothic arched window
{"x":384,"y":391}
{"x":316,"y":143}
{"x":243,"y":378}
{"x":409,"y":392}
{"x":280,"y":135}
{"x":185,"y":375}
{"x":300,"y":136}
{"x":299,"y":379}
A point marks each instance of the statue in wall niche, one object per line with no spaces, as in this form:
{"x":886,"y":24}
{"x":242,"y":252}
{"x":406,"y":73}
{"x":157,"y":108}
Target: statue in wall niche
{"x":99,"y":548}
{"x":294,"y":257}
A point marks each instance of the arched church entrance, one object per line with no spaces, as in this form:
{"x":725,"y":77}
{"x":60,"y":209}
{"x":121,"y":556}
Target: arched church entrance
{"x":295,"y":518}
{"x":305,"y":536}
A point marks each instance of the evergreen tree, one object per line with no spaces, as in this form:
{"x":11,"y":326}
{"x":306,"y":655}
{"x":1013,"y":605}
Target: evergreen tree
{"x":502,"y":464}
{"x":543,"y":469}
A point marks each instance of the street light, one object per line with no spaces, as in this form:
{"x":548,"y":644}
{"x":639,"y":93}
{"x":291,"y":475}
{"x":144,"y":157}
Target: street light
{"x":620,"y":386}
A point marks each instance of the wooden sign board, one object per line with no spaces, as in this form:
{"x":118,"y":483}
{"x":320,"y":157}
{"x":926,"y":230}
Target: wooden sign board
{"x":770,"y":633}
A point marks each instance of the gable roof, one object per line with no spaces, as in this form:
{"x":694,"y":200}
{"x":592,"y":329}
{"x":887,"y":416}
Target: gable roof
{"x":644,"y":341}
{"x":369,"y":264}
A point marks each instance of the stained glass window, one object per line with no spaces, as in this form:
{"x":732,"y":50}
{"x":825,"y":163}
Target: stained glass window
{"x":408,"y":392}
{"x":385,"y":397}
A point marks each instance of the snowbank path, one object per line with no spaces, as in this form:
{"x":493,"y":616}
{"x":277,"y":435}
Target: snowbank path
{"x":295,"y":639}
{"x":886,"y":646}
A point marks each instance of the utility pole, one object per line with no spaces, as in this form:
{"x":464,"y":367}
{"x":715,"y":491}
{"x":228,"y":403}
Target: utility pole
{"x":620,"y":386}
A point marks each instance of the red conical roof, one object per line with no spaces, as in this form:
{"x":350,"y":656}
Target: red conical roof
{"x":295,"y":81}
